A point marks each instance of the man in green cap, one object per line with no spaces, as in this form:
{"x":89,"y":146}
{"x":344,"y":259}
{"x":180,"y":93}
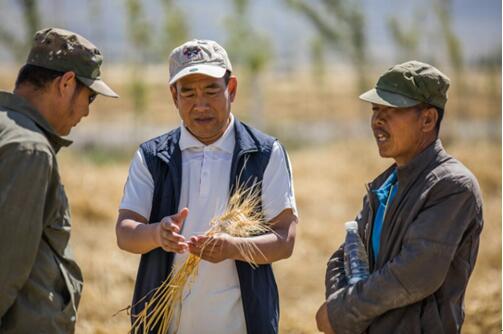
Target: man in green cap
{"x":40,"y":282}
{"x":420,"y":222}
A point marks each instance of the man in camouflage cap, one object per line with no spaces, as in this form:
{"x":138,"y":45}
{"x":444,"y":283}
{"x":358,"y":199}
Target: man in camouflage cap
{"x":40,"y":282}
{"x":420,"y":222}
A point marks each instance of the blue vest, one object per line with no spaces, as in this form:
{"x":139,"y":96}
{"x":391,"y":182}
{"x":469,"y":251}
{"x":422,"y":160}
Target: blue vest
{"x":163,"y":157}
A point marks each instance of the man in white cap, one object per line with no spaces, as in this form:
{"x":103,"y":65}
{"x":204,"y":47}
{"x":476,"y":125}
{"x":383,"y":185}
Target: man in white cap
{"x":179,"y":181}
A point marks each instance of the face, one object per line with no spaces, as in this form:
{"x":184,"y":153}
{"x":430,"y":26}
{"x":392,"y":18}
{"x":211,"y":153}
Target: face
{"x":204,"y":104}
{"x":400,"y":133}
{"x":69,"y":102}
{"x":76,"y":108}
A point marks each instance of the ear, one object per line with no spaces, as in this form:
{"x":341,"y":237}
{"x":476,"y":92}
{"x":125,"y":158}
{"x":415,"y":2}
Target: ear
{"x":67,"y":84}
{"x":232,"y":87}
{"x":429,"y":119}
{"x":174,"y":94}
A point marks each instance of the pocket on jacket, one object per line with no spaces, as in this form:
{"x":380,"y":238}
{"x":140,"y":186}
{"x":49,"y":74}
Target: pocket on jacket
{"x":72,"y":291}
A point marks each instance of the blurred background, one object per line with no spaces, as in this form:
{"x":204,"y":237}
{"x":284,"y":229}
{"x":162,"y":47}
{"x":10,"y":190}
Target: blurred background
{"x":301,"y":65}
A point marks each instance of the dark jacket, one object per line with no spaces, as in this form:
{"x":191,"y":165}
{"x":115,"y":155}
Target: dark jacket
{"x":40,"y":283}
{"x":163,"y":157}
{"x":429,"y":244}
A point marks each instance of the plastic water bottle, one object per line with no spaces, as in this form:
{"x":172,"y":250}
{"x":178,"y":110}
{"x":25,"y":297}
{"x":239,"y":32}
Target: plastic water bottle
{"x":356,"y":261}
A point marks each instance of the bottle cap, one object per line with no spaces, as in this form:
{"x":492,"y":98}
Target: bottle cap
{"x":351,"y":225}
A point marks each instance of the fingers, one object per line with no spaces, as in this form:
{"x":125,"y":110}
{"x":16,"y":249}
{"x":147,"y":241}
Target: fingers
{"x":167,"y":224}
{"x":170,"y":238}
{"x":176,"y":247}
{"x":175,"y":222}
{"x":172,"y":241}
{"x":168,"y":235}
{"x":179,"y":218}
{"x":196,"y":244}
{"x":199,"y":240}
{"x":208,"y":248}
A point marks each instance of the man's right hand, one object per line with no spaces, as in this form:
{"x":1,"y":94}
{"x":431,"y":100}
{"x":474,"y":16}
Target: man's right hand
{"x":167,"y":232}
{"x":322,"y":320}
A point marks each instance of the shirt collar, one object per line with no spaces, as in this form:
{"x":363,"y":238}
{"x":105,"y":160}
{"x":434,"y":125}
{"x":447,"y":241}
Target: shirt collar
{"x":392,"y":178}
{"x":383,"y":191}
{"x":21,"y":105}
{"x":224,"y":143}
{"x":408,"y":173}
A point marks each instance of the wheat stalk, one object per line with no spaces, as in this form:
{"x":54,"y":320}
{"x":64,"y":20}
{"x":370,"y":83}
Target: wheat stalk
{"x":240,"y":219}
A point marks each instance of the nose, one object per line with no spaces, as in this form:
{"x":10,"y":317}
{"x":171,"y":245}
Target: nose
{"x":201,"y":103}
{"x":377,"y":118}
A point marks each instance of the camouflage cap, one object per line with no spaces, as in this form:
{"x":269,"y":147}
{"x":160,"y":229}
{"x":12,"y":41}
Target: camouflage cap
{"x":198,"y":56}
{"x":409,"y":84}
{"x":63,"y":51}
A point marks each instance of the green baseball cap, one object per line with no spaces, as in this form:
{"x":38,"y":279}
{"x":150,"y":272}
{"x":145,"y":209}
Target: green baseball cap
{"x":63,"y":51}
{"x":409,"y":84}
{"x":198,"y":56}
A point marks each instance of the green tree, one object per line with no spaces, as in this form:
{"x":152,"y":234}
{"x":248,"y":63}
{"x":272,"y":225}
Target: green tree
{"x":32,"y":23}
{"x":95,"y":13}
{"x":443,"y":10}
{"x":251,"y":50}
{"x":454,"y":53}
{"x":175,"y":30}
{"x":406,"y":39}
{"x":318,"y":61}
{"x":139,"y":32}
{"x":341,"y":24}
{"x":444,"y":42}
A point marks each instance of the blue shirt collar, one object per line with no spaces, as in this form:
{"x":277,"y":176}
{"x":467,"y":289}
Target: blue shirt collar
{"x":383,"y":191}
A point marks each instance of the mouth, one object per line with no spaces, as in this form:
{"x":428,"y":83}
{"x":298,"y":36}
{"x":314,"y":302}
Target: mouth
{"x":203,"y":120}
{"x":381,"y":136}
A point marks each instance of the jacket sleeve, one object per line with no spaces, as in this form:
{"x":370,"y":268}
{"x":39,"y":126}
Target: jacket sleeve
{"x":335,"y":276}
{"x":419,"y":269}
{"x":24,"y":178}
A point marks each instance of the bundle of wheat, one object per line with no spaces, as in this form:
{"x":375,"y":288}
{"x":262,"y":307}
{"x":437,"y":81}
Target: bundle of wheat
{"x":240,"y":219}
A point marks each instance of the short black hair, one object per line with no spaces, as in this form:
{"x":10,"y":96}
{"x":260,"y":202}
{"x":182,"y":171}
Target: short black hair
{"x":440,"y":113}
{"x":227,"y":77}
{"x":36,"y":76}
{"x":39,"y":77}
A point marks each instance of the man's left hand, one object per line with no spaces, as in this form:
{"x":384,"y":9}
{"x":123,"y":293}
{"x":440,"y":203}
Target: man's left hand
{"x":214,"y":249}
{"x":322,"y":320}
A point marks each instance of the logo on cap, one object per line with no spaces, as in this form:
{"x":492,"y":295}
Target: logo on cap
{"x":191,"y":52}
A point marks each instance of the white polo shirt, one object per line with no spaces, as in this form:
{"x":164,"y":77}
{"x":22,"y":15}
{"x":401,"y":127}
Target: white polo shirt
{"x":213,"y":303}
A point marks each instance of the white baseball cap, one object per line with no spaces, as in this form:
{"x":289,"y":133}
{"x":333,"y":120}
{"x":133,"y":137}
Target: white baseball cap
{"x":198,"y":56}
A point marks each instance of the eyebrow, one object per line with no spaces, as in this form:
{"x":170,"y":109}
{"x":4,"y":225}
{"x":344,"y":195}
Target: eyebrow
{"x":189,"y":89}
{"x":186,"y":89}
{"x":384,"y":108}
{"x":213,"y":85}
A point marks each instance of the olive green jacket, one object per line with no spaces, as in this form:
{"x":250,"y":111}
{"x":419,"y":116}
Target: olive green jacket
{"x":40,"y":283}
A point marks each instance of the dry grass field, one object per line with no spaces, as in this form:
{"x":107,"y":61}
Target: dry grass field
{"x":329,"y":183}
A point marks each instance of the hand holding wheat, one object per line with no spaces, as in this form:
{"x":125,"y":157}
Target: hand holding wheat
{"x":214,"y":249}
{"x":241,"y":220}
